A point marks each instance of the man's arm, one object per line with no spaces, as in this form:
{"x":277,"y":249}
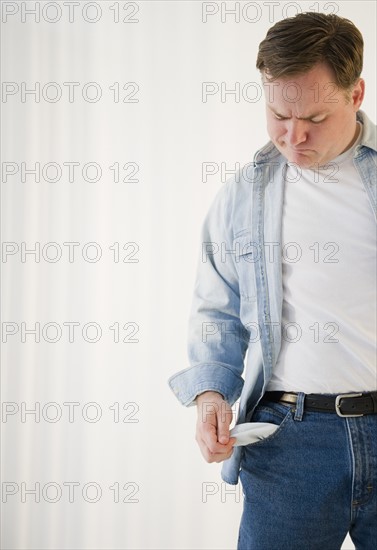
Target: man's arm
{"x":217,"y":340}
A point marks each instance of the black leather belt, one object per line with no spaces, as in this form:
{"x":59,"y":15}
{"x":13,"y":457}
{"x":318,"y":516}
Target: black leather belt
{"x":345,"y":405}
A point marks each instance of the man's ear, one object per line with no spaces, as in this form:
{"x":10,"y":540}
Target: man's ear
{"x":357,"y":94}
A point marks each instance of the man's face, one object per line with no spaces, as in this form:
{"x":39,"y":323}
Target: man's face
{"x":308,"y":117}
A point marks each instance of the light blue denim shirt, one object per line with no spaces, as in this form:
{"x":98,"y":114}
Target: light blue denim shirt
{"x":233,"y":343}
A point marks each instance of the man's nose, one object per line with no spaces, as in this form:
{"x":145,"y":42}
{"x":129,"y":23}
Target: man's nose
{"x":297,"y":132}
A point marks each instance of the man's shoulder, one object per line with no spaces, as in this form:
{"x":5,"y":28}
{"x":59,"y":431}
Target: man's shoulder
{"x":237,"y":192}
{"x":239,"y":186}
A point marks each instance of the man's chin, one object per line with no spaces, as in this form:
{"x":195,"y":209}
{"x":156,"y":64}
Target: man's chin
{"x":304,"y":164}
{"x":302,"y":161}
{"x":305,"y":160}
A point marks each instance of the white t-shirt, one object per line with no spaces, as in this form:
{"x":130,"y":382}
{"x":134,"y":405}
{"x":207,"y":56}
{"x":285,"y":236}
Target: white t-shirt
{"x":329,"y":281}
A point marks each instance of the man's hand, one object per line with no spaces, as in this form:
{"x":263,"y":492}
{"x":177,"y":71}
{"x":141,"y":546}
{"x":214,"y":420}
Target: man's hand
{"x":212,"y":428}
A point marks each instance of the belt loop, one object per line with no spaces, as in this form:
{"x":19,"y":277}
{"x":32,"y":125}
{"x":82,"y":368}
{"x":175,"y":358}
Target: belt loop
{"x":374,"y":399}
{"x":299,"y":410}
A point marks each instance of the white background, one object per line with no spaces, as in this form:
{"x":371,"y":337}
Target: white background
{"x":169,"y":498}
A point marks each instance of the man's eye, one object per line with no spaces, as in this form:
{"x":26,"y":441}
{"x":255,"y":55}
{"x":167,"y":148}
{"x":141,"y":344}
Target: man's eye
{"x":280,"y":117}
{"x":317,"y":121}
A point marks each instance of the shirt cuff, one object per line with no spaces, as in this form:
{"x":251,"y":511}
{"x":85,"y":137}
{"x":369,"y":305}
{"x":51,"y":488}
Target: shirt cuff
{"x":190,"y":382}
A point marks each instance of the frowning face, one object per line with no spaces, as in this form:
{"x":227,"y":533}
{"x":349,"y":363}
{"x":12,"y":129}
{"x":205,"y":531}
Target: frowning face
{"x":309,"y":118}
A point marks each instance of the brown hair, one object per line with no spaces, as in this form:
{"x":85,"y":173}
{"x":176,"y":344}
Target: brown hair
{"x":294,"y":45}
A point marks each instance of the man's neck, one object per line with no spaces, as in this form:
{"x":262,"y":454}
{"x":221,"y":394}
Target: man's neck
{"x":355,"y":136}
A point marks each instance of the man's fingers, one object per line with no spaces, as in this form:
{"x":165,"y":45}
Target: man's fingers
{"x":210,"y":456}
{"x":224,"y":419}
{"x":208,"y":434}
{"x":223,"y":433}
{"x":213,"y":434}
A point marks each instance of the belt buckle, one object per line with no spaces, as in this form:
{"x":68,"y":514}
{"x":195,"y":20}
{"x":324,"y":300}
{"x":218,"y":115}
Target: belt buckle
{"x":338,"y":404}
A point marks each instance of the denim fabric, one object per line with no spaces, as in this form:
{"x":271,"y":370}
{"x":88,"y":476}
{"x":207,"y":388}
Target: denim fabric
{"x":234,"y":328}
{"x":317,"y":474}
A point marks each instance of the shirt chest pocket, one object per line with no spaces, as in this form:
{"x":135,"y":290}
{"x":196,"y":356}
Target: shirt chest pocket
{"x":245,"y":255}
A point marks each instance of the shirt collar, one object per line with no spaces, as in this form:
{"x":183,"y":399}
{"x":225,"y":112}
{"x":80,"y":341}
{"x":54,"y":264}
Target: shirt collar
{"x":369,"y":136}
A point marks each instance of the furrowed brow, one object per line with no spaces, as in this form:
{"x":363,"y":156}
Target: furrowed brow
{"x":314,"y":115}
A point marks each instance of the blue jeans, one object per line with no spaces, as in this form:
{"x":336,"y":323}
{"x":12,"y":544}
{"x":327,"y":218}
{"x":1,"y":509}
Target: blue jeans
{"x":311,"y":482}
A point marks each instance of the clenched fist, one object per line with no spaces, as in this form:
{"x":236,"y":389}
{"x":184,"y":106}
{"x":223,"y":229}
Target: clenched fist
{"x":212,"y":428}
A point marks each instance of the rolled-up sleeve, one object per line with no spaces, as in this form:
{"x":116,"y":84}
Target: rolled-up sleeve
{"x":217,"y":340}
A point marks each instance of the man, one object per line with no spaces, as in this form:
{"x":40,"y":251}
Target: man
{"x":288,"y":275}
